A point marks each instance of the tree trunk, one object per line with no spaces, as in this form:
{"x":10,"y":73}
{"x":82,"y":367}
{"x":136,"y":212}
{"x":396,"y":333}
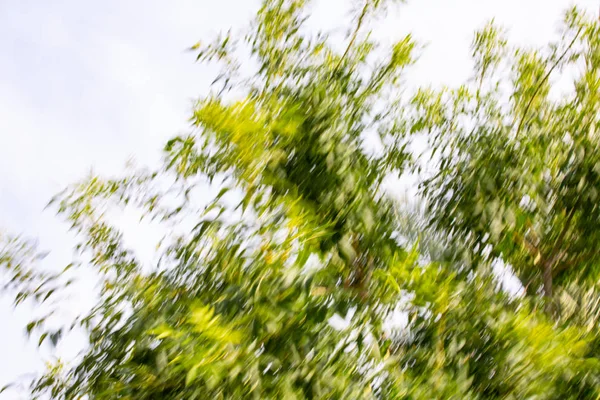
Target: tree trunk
{"x":547,"y":277}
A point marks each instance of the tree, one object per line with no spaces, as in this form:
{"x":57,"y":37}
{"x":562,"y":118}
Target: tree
{"x":519,"y":156}
{"x":299,"y":231}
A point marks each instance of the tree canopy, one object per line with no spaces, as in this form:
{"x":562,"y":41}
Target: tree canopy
{"x":519,"y":156}
{"x":299,"y":230}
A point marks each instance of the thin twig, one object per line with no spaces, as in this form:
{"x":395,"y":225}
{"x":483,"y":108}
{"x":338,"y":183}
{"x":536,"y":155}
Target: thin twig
{"x":544,"y":79}
{"x":361,"y":18}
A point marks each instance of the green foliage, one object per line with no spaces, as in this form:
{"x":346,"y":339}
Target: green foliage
{"x":19,"y":259}
{"x":519,"y":155}
{"x":299,"y":232}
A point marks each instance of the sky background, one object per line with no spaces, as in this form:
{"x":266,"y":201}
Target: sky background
{"x":92,"y":84}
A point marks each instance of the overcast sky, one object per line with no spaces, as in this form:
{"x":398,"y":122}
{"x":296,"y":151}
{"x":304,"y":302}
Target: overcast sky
{"x":90,"y":84}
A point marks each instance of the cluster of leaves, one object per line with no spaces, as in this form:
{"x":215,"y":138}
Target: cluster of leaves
{"x":517,"y":180}
{"x":241,"y":301}
{"x":519,"y":159}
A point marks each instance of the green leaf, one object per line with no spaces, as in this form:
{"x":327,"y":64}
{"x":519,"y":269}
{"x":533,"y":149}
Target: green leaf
{"x":191,"y":375}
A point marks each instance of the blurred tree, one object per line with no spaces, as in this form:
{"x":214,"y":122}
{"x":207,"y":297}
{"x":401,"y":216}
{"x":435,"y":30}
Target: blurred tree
{"x":241,"y":301}
{"x":519,"y":156}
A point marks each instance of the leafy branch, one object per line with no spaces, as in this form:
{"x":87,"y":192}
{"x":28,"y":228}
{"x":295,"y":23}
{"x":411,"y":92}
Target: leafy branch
{"x":359,"y":23}
{"x":544,"y":80}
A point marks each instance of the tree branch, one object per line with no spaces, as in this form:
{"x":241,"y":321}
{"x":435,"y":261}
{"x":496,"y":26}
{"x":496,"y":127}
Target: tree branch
{"x":573,"y":261}
{"x":361,"y":18}
{"x":544,"y":79}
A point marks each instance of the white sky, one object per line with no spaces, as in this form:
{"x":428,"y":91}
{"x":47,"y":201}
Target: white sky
{"x":90,"y":84}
